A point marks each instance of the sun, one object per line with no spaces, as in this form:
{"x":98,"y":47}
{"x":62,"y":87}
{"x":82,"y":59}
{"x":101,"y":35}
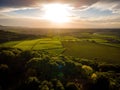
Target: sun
{"x":57,"y":13}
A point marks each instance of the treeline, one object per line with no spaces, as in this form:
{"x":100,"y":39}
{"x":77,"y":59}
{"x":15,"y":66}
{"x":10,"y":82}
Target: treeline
{"x":39,"y":70}
{"x":6,"y":36}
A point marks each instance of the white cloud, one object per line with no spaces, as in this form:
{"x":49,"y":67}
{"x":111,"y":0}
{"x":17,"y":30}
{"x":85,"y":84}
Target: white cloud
{"x":107,"y":5}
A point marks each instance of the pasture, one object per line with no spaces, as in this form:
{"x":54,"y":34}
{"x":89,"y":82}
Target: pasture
{"x":95,"y":47}
{"x":90,"y":50}
{"x":49,"y":44}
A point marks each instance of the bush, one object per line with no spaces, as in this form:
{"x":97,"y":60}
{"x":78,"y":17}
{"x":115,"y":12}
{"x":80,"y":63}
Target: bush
{"x":71,"y":86}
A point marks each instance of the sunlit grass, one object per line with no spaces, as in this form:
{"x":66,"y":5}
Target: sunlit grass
{"x":89,"y":50}
{"x":10,"y":44}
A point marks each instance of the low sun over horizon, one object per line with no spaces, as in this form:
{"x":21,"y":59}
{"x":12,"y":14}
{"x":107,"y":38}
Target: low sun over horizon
{"x":56,"y":13}
{"x":60,"y":13}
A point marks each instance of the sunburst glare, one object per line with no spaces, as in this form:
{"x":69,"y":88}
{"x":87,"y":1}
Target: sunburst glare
{"x":58,"y":13}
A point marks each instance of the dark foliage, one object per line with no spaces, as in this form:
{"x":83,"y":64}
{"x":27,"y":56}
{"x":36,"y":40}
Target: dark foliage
{"x":39,"y":70}
{"x":6,"y":36}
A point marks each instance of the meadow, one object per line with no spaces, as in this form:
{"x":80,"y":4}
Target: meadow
{"x":102,"y":47}
{"x":92,"y":51}
{"x":49,"y":44}
{"x":93,"y":46}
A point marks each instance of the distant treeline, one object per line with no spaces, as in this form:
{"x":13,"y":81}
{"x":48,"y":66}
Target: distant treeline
{"x":6,"y":36}
{"x":39,"y":70}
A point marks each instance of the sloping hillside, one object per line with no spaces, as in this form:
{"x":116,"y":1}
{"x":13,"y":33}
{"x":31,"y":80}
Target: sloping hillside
{"x":11,"y":36}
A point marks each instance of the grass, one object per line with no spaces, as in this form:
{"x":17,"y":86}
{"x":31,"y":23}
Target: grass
{"x":47,"y":44}
{"x":67,"y":38}
{"x":9,"y":44}
{"x":55,"y":51}
{"x":89,"y":50}
{"x":69,"y":45}
{"x":26,"y":45}
{"x":53,"y":46}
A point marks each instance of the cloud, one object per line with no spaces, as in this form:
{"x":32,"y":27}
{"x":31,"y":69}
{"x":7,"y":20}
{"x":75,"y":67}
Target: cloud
{"x":112,"y":5}
{"x":17,"y":3}
{"x":12,"y":5}
{"x":109,"y":22}
{"x":2,"y":16}
{"x":77,"y":4}
{"x":108,"y":19}
{"x":32,"y":3}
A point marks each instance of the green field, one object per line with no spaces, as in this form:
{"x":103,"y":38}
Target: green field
{"x":94,"y":51}
{"x":26,"y":45}
{"x":9,"y":44}
{"x":51,"y":45}
{"x":88,"y":46}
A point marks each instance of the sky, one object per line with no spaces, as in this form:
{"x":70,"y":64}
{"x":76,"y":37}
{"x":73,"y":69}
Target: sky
{"x":81,"y":13}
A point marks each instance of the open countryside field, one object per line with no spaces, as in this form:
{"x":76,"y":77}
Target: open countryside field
{"x":26,"y":45}
{"x":90,"y":50}
{"x":84,"y":45}
{"x":51,"y":45}
{"x":9,"y":44}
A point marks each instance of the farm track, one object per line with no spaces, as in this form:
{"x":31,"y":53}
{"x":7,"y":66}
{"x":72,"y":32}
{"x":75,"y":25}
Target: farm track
{"x":35,"y":44}
{"x":29,"y":44}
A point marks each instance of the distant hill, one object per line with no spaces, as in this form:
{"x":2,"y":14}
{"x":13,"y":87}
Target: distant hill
{"x":26,"y":30}
{"x":1,"y":26}
{"x":6,"y":36}
{"x":55,"y":31}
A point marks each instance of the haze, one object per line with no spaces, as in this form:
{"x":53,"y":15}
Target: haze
{"x":60,"y":13}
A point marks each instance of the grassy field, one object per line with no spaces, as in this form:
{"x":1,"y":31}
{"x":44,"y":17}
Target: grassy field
{"x":26,"y":45}
{"x":89,"y":50}
{"x":49,"y":44}
{"x":9,"y":44}
{"x":89,"y":46}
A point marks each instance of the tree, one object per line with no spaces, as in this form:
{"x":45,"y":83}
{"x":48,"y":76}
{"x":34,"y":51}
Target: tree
{"x":71,"y":86}
{"x":57,"y":85}
{"x":4,"y":76}
{"x":102,"y":82}
{"x":32,"y":83}
{"x":6,"y":56}
{"x":44,"y":85}
{"x":86,"y":71}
